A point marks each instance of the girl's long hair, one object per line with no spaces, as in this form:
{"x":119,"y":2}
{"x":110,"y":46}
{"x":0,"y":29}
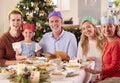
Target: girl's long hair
{"x":84,"y":41}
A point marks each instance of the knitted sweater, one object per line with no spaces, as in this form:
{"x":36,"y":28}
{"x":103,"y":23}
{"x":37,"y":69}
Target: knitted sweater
{"x":111,"y":59}
{"x":93,"y":51}
{"x":6,"y":50}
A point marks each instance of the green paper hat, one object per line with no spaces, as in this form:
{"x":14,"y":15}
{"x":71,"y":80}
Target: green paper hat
{"x":89,"y":18}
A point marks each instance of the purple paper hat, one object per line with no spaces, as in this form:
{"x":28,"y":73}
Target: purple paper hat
{"x":55,"y":13}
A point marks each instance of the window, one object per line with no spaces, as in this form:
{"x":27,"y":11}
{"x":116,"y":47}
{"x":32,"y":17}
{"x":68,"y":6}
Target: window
{"x":62,"y":5}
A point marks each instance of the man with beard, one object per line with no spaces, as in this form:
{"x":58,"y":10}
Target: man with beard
{"x":58,"y":39}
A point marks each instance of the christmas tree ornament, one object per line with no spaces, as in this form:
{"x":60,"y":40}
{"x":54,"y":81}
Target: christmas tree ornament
{"x":37,"y":8}
{"x":29,"y":18}
{"x":42,"y":13}
{"x":32,"y":4}
{"x":27,"y":8}
{"x":24,"y":7}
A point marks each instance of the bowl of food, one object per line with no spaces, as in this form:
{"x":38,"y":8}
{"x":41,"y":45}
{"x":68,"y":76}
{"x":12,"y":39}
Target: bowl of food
{"x":72,"y":67}
{"x":42,"y":59}
{"x":47,"y":66}
{"x":57,"y":75}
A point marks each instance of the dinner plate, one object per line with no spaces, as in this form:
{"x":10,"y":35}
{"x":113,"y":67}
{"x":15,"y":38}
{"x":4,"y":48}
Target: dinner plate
{"x":58,"y":75}
{"x":5,"y":75}
{"x":72,"y":73}
{"x":12,"y":67}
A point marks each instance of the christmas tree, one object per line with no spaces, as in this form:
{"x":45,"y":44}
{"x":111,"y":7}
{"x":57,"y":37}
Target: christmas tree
{"x":36,"y":12}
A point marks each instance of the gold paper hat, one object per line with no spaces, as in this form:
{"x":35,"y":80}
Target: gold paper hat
{"x":15,"y":9}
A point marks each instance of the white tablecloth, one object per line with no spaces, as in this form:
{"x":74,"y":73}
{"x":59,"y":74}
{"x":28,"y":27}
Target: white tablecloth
{"x":75,"y":79}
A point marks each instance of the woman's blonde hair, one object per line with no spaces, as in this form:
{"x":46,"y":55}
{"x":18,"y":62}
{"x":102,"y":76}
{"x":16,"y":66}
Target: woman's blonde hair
{"x":117,"y":31}
{"x":84,"y":40}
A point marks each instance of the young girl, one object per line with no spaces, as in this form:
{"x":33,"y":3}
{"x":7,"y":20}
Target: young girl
{"x":90,"y":45}
{"x":27,"y":47}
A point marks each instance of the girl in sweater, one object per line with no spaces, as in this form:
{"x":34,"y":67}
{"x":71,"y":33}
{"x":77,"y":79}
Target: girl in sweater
{"x":90,"y":45}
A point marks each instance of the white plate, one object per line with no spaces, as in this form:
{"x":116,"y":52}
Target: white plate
{"x":72,"y":73}
{"x":73,"y":67}
{"x":5,"y":75}
{"x":58,"y":75}
{"x":12,"y":67}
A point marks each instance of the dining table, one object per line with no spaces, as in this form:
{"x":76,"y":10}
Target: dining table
{"x":77,"y":78}
{"x":74,"y":79}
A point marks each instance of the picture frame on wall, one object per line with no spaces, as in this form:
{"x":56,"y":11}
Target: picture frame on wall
{"x":90,"y":2}
{"x":62,"y":5}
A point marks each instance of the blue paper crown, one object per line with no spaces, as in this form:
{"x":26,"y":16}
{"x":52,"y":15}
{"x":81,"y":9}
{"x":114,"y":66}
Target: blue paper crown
{"x":108,"y":19}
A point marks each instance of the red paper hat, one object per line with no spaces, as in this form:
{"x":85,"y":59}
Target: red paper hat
{"x":28,"y":26}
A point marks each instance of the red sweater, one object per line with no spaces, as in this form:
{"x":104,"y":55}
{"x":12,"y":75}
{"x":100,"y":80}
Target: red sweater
{"x":6,"y":49}
{"x":111,"y":59}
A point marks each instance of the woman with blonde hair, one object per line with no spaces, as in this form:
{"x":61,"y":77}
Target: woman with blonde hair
{"x":90,"y":45}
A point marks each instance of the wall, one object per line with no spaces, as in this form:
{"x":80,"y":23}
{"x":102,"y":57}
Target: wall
{"x":89,"y":8}
{"x":73,"y":12}
{"x":104,"y":7}
{"x":75,"y":5}
{"x":5,"y":7}
{"x":94,"y":8}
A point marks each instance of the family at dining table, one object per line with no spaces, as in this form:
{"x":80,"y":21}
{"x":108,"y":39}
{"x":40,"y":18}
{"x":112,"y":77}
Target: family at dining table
{"x":102,"y":47}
